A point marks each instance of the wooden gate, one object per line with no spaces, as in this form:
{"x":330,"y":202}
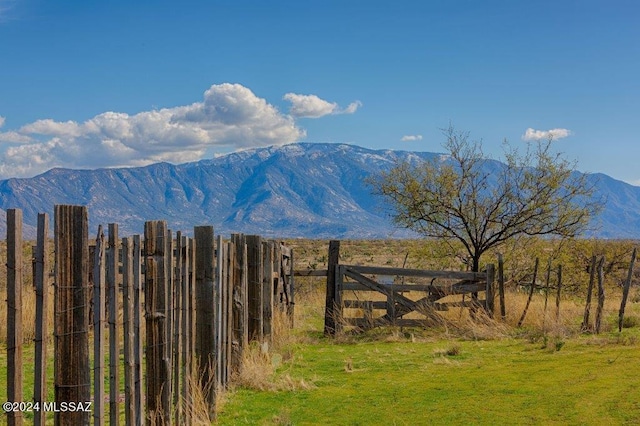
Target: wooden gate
{"x":370,"y":296}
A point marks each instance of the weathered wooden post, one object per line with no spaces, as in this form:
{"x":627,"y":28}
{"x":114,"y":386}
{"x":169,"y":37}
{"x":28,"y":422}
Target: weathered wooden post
{"x":205,"y":312}
{"x":533,"y":284}
{"x":218,"y":308}
{"x":177,"y":329}
{"x":601,"y":296}
{"x":72,"y":369}
{"x":229,"y":252}
{"x":330,"y":314}
{"x":41,"y":283}
{"x":503,"y":309}
{"x":254,"y":289}
{"x":267,"y":290}
{"x":129,"y":331}
{"x":625,"y":291}
{"x":240,"y":316}
{"x":137,"y":326}
{"x":14,"y":313}
{"x":156,"y":313}
{"x":114,"y":326}
{"x":559,"y":291}
{"x":99,"y":306}
{"x":587,"y":308}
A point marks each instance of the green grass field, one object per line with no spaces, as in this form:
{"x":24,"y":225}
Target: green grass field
{"x":583,"y":380}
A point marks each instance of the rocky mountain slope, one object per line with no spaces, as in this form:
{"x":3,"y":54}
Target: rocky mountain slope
{"x":299,"y":190}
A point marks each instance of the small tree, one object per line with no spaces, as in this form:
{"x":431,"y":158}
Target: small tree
{"x":482,"y":203}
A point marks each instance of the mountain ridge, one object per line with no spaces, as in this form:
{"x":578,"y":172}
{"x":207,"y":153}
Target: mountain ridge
{"x":306,"y":190}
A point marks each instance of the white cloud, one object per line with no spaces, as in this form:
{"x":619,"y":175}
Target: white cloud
{"x":229,"y":117}
{"x":411,"y":138}
{"x":2,"y":119}
{"x":311,"y":106}
{"x":536,"y":135}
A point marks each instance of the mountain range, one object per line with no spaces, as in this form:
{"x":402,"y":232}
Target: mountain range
{"x":306,"y":190}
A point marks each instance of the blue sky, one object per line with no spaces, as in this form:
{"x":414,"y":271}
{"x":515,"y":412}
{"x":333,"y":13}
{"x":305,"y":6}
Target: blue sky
{"x":124,"y":83}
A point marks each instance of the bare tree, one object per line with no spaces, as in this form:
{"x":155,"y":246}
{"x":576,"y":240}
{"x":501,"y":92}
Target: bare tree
{"x":465,"y":197}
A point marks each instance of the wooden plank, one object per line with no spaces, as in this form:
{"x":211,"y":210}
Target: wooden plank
{"x":386,"y":290}
{"x":99,"y":319}
{"x":114,"y":326}
{"x":206,"y":306}
{"x":71,"y":312}
{"x":254,"y":286}
{"x":377,"y":270}
{"x":184,"y":250}
{"x":137,"y":330}
{"x":41,"y":283}
{"x":310,"y":273}
{"x":625,"y":290}
{"x":330,"y":302}
{"x":156,"y":289}
{"x":128,"y":331}
{"x":444,"y":290}
{"x":14,"y":314}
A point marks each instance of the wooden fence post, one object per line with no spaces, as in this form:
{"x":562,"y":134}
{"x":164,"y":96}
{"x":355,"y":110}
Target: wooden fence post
{"x":137,"y":330}
{"x":254,"y":290}
{"x":129,"y":331}
{"x":601,"y":296}
{"x":558,"y":293}
{"x":625,"y":291}
{"x":239,"y":334}
{"x":114,"y":326}
{"x":587,"y":308}
{"x":41,"y":282}
{"x":205,"y":314}
{"x":267,"y":290}
{"x":72,"y":370}
{"x":178,"y":360}
{"x":330,"y":303}
{"x":14,"y":313}
{"x":156,"y":313}
{"x":533,"y":284}
{"x":290,"y":290}
{"x":228,"y":307}
{"x":503,"y":310}
{"x":99,"y":274}
{"x":220,"y":317}
{"x":187,"y":324}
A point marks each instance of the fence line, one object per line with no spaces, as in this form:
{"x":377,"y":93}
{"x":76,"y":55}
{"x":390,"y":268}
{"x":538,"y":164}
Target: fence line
{"x":194,"y":293}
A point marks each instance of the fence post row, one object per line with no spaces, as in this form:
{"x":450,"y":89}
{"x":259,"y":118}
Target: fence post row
{"x":202,"y":304}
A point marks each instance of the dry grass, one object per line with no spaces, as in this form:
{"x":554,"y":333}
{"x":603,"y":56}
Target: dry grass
{"x":262,"y":364}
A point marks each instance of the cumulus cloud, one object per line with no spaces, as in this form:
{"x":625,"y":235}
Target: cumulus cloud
{"x":1,"y":121}
{"x":411,"y":138}
{"x":230,"y":116}
{"x":311,"y":106}
{"x":536,"y":135}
